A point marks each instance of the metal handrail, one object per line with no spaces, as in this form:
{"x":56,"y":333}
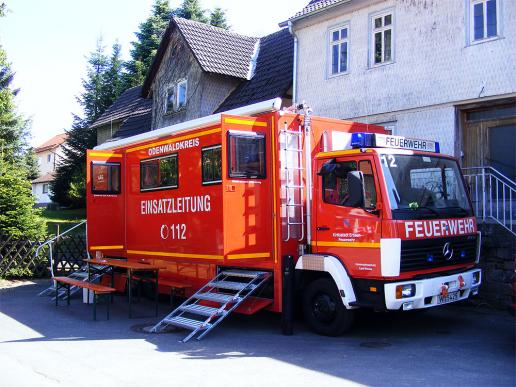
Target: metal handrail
{"x":51,"y":241}
{"x":492,"y":194}
{"x":499,"y":174}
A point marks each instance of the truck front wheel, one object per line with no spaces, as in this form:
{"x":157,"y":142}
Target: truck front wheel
{"x":323,"y":308}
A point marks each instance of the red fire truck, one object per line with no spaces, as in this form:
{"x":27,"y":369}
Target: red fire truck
{"x":261,"y":208}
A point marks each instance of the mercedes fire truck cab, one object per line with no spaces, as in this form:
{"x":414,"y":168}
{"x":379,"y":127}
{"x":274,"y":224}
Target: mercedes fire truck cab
{"x":394,"y":228}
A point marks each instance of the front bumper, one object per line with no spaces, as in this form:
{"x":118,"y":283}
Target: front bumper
{"x":429,"y":291}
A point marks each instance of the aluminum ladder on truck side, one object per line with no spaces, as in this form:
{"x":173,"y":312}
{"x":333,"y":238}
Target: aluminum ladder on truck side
{"x":292,"y":164}
{"x":228,"y":289}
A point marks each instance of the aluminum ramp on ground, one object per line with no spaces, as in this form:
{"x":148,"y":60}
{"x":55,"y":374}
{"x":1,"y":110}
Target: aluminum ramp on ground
{"x":211,"y":304}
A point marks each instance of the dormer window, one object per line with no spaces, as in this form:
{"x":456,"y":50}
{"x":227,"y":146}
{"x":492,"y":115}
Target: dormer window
{"x":176,"y":97}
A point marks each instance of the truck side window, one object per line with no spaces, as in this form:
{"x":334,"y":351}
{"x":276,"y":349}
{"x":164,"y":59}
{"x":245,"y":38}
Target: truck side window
{"x":335,"y":184}
{"x":212,"y":164}
{"x":159,"y":173}
{"x":246,"y":155}
{"x":370,"y":190}
{"x":105,"y":178}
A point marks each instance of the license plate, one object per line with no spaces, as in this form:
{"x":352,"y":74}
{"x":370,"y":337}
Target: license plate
{"x":449,"y":298}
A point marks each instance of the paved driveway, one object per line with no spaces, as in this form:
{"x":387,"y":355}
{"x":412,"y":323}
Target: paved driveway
{"x":454,"y":345}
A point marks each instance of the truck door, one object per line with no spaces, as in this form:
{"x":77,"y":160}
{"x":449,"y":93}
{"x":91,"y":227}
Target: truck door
{"x":247,"y":187}
{"x":350,"y":233}
{"x":105,"y":202}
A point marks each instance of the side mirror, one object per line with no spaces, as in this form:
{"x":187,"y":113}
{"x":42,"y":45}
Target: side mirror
{"x":355,"y":189}
{"x":328,"y":168}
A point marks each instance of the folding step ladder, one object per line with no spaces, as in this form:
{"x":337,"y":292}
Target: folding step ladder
{"x":228,"y":289}
{"x":80,"y":275}
{"x":292,"y":162}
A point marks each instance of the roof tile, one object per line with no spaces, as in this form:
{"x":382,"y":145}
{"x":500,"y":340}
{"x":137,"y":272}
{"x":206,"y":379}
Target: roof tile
{"x":217,"y":49}
{"x":273,"y":75}
{"x":52,"y":143}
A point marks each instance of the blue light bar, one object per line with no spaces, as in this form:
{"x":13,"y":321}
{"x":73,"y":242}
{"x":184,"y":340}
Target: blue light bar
{"x":370,"y":140}
{"x":362,"y":140}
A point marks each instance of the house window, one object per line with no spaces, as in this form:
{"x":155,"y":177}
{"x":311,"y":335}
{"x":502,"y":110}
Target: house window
{"x":339,"y":44}
{"x":105,"y":178}
{"x":45,"y":188}
{"x":176,"y":97}
{"x":159,"y":173}
{"x":382,"y":38}
{"x":483,"y":19}
{"x":170,"y":100}
{"x":246,"y":155}
{"x":212,"y":164}
{"x":181,"y":94}
{"x":390,"y":126}
{"x":49,"y":157}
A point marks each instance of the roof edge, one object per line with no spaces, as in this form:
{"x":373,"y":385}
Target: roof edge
{"x":256,"y":108}
{"x":313,"y":13}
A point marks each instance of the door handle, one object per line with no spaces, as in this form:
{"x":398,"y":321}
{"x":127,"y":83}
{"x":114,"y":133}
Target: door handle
{"x":322,"y":228}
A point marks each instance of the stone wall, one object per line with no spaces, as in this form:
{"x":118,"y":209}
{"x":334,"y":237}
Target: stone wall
{"x":498,"y":262}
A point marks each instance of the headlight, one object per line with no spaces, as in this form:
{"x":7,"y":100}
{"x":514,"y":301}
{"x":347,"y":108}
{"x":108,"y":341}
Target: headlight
{"x":405,"y":291}
{"x":476,"y":277}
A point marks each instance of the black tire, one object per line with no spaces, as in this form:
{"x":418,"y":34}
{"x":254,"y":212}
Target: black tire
{"x":323,"y":308}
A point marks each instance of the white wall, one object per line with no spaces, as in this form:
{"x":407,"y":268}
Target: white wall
{"x":37,"y":191}
{"x":434,"y":67}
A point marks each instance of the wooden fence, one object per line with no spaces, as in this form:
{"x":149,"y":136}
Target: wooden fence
{"x":18,"y":256}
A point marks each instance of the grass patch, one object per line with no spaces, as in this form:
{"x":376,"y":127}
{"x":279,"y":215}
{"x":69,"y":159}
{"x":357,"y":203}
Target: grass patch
{"x":64,"y":219}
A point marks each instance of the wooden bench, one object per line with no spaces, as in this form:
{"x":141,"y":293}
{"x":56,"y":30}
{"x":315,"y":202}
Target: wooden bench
{"x":176,"y":288}
{"x":97,"y":289}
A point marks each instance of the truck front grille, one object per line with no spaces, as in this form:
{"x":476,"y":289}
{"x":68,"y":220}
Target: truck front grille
{"x":428,"y":253}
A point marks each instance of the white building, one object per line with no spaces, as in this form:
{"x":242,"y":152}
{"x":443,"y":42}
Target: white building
{"x":443,"y":70}
{"x":48,"y":155}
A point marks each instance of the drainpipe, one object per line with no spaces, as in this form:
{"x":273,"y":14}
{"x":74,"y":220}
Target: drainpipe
{"x":294,"y":70}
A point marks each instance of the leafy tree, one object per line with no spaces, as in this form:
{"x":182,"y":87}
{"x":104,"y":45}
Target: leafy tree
{"x":147,"y":42}
{"x":102,"y":86}
{"x":218,"y":18}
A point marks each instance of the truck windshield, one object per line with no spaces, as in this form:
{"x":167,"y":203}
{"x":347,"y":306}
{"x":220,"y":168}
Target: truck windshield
{"x":421,"y":187}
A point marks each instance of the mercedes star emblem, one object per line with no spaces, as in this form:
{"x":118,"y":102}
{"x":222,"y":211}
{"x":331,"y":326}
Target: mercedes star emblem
{"x":447,"y":251}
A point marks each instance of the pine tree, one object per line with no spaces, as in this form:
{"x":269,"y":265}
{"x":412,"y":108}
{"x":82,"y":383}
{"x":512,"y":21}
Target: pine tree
{"x":92,"y":99}
{"x":191,"y":9}
{"x":113,"y":82}
{"x":147,"y":42}
{"x":218,"y":18}
{"x":102,"y":86}
{"x":14,"y":129}
{"x":17,"y":214}
{"x":18,"y":217}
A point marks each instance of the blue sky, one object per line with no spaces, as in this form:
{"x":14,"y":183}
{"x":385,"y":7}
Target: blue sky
{"x":47,"y":42}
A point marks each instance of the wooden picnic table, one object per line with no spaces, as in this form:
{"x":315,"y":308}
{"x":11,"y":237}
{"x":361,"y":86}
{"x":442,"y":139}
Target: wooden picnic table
{"x":131,"y":267}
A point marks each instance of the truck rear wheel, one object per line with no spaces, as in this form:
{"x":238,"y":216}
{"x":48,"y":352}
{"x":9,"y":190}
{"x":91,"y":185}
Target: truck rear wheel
{"x":323,"y":308}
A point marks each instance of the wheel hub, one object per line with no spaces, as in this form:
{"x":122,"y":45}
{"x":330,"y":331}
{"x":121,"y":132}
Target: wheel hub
{"x":324,"y":308}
